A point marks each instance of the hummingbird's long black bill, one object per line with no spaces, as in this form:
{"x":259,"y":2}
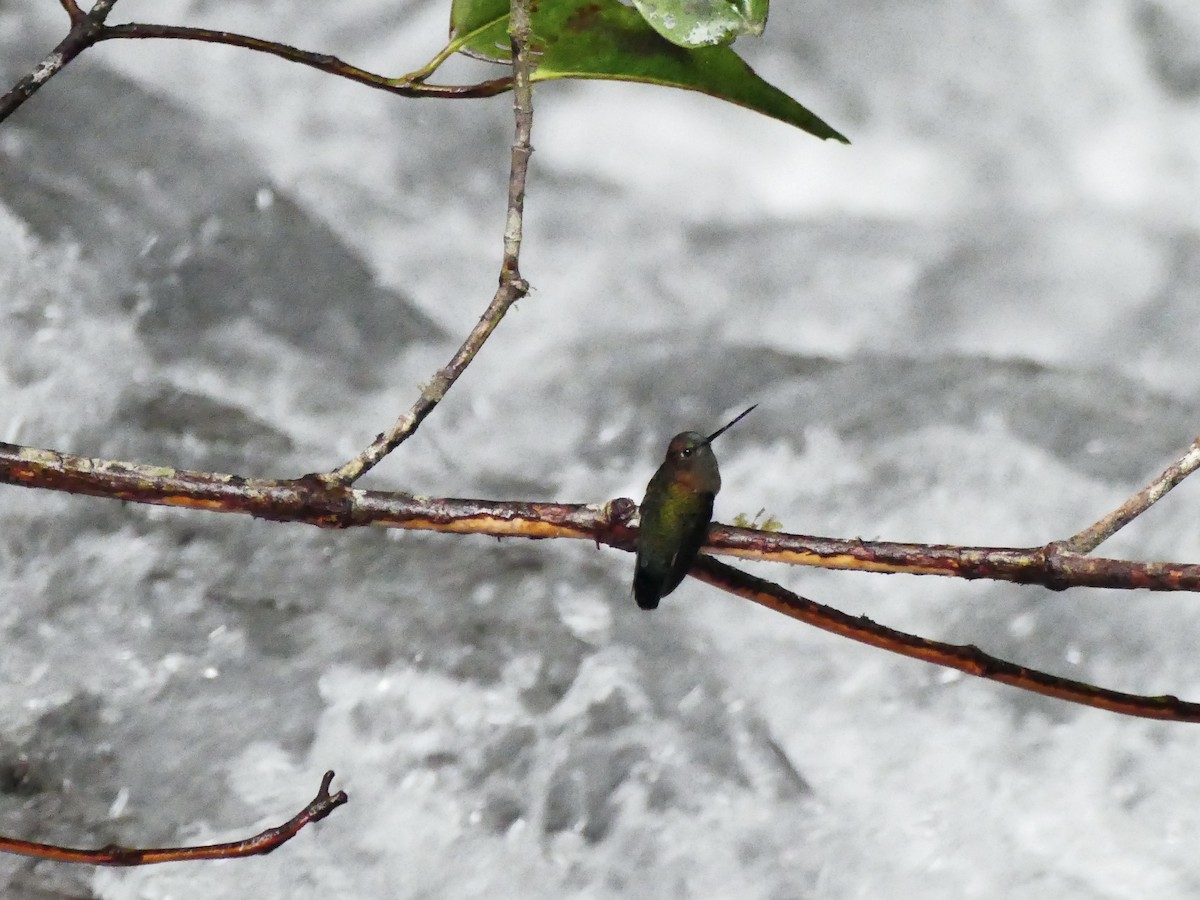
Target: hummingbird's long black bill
{"x":724,"y":428}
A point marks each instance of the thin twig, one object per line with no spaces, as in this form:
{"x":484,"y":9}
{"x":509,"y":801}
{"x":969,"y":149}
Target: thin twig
{"x":1095,"y":535}
{"x":512,"y":286}
{"x":314,"y":501}
{"x":963,"y":657}
{"x":322,"y":61}
{"x":112,"y":855}
{"x":520,"y":33}
{"x":89,"y":29}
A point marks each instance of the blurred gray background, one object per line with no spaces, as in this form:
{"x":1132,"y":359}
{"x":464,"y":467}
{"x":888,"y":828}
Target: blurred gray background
{"x":975,"y":325}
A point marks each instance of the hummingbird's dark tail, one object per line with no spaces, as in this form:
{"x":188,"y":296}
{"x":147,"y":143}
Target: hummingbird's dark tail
{"x":647,"y":588}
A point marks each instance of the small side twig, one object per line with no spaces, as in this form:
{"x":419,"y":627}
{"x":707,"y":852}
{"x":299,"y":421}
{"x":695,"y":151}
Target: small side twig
{"x":264,"y":842}
{"x":512,"y":286}
{"x":72,"y":9}
{"x":963,"y":657}
{"x":1094,"y":535}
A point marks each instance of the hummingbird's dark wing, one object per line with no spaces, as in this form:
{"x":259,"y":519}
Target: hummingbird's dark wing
{"x":673,"y":530}
{"x":694,"y":535}
{"x":647,"y":586}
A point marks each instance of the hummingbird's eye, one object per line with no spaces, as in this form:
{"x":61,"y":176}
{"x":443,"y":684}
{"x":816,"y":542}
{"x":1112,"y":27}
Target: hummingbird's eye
{"x":685,"y":452}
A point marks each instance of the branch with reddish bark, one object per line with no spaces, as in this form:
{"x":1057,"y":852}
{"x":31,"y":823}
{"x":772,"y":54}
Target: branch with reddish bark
{"x":316,"y":501}
{"x":264,"y":842}
{"x":963,"y":657}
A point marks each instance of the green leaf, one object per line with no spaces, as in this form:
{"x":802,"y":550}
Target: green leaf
{"x":703,"y":23}
{"x":608,"y":40}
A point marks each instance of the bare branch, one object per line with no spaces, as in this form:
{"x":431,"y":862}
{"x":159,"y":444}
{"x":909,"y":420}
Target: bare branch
{"x":321,"y":61}
{"x":315,"y":501}
{"x":512,"y":286}
{"x":112,"y":855}
{"x":963,"y":657}
{"x":1095,"y":535}
{"x":522,"y":65}
{"x":89,"y":28}
{"x":1051,"y":566}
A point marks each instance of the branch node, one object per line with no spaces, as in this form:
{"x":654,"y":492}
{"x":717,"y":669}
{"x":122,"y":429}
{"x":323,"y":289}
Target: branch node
{"x":1054,"y":564}
{"x":620,"y":511}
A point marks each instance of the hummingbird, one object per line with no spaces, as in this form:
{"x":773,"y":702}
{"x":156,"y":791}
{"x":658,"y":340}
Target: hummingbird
{"x":675,"y":514}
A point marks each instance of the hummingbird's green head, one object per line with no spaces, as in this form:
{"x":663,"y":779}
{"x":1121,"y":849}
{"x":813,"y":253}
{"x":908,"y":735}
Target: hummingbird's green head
{"x":691,"y":462}
{"x":685,"y":445}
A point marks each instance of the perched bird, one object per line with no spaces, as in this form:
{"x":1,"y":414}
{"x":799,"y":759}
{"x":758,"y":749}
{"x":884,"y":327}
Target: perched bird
{"x":675,"y":514}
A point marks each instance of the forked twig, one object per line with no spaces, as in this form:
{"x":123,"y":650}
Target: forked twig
{"x":313,"y":501}
{"x":512,"y":286}
{"x":316,"y":501}
{"x":264,"y":842}
{"x":85,"y":29}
